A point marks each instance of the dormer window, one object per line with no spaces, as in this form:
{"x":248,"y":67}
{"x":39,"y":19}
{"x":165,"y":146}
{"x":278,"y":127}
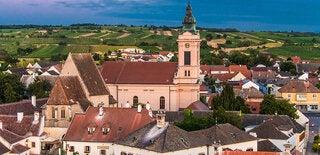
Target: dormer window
{"x":105,"y":130}
{"x":91,"y":130}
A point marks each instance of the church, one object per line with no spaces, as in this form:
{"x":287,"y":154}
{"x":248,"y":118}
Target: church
{"x":164,"y":86}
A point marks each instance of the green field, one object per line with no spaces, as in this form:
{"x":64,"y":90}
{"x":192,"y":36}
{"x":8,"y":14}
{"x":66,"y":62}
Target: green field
{"x":305,"y":52}
{"x":151,"y":39}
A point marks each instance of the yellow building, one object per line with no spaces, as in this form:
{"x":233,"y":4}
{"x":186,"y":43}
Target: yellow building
{"x":302,"y":93}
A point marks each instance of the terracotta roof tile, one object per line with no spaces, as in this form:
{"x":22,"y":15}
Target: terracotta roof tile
{"x":123,"y":121}
{"x":138,"y":72}
{"x":219,"y":68}
{"x":18,"y":149}
{"x":3,"y":149}
{"x":169,"y":138}
{"x":298,"y":86}
{"x":205,"y":69}
{"x":89,"y":73}
{"x":67,"y":91}
{"x":24,"y":106}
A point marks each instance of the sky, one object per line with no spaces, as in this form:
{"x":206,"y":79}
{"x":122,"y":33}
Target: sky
{"x":245,"y":15}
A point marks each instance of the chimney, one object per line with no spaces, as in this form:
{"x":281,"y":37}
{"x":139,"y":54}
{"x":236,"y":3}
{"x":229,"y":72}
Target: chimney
{"x":161,"y":119}
{"x":36,"y":116}
{"x":19,"y":116}
{"x":100,"y":111}
{"x":139,"y":108}
{"x":34,"y":101}
{"x":1,"y":125}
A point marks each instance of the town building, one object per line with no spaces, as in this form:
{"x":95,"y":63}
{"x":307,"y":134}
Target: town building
{"x":78,"y":87}
{"x":166,"y":86}
{"x":303,"y":94}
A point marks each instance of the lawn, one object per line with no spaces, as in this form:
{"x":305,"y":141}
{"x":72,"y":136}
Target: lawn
{"x":305,"y":52}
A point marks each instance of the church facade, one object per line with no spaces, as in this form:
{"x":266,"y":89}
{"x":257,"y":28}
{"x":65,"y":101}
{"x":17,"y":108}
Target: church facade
{"x":165,"y":86}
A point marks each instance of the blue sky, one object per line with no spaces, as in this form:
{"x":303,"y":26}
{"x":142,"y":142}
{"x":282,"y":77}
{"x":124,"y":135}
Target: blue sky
{"x":282,"y":15}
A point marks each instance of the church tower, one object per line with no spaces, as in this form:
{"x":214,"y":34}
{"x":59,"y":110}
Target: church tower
{"x":189,"y":60}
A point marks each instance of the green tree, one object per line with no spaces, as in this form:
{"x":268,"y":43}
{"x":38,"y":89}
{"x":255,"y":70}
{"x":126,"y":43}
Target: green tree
{"x":174,"y":58}
{"x":228,"y":101}
{"x":270,"y":105}
{"x":221,"y":116}
{"x":40,"y":88}
{"x":287,"y":66}
{"x":191,"y":123}
{"x":11,"y":89}
{"x":96,"y":57}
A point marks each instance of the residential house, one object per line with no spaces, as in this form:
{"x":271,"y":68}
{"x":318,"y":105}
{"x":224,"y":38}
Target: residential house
{"x":308,"y":68}
{"x":283,"y":132}
{"x":168,"y":139}
{"x":303,"y":94}
{"x":96,"y":130}
{"x":18,"y":71}
{"x":252,"y":96}
{"x":21,"y":134}
{"x":45,"y":66}
{"x":29,"y":79}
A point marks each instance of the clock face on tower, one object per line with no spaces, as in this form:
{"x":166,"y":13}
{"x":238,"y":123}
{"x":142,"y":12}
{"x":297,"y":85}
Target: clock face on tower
{"x":187,"y":45}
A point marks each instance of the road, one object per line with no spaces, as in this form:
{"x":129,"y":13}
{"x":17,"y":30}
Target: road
{"x":314,"y":129}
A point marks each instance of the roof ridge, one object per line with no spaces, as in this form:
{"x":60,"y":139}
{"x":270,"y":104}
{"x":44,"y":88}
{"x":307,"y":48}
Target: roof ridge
{"x":122,"y":68}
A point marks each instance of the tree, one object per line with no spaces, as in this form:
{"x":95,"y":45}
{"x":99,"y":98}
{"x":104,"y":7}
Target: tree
{"x":221,"y":116}
{"x":174,"y":58}
{"x":209,"y":37}
{"x":228,"y":101}
{"x":271,"y":106}
{"x":39,"y":88}
{"x":11,"y":89}
{"x":287,"y":66}
{"x":191,"y":123}
{"x":96,"y":57}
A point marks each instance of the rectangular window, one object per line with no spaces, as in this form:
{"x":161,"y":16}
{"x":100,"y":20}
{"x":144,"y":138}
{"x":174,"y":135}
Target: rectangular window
{"x":289,"y":96}
{"x":187,"y":58}
{"x":87,"y":149}
{"x":314,"y":96}
{"x":53,"y":112}
{"x":301,"y":96}
{"x":33,"y":144}
{"x":71,"y":148}
{"x":63,"y":113}
{"x":102,"y":152}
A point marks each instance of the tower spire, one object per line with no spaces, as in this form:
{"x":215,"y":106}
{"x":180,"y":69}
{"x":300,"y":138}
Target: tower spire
{"x":189,"y":21}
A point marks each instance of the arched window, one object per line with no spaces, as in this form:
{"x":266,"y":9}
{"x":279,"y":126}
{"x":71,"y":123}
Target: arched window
{"x":135,"y":100}
{"x":162,"y":102}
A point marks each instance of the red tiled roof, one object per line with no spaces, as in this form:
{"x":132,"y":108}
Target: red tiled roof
{"x":23,"y":106}
{"x":205,"y":69}
{"x":14,"y":131}
{"x":241,"y":68}
{"x":18,"y":149}
{"x":67,"y":91}
{"x":3,"y":149}
{"x":223,"y":77}
{"x":219,"y":68}
{"x":298,"y":86}
{"x":138,"y":72}
{"x":123,"y":121}
{"x":198,"y":105}
{"x":203,"y":88}
{"x":296,"y":59}
{"x":89,"y":73}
